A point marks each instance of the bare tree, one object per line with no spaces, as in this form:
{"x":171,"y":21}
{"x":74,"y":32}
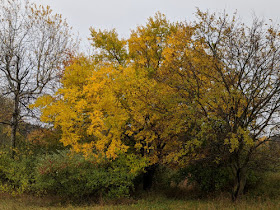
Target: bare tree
{"x":34,"y":44}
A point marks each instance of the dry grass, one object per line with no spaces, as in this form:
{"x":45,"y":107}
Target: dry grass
{"x":149,"y":202}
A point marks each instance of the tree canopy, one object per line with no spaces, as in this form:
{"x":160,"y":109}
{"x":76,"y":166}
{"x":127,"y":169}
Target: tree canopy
{"x":173,"y":93}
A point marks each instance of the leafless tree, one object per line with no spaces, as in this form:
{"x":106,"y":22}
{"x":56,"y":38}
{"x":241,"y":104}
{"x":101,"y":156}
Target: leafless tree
{"x":34,"y":44}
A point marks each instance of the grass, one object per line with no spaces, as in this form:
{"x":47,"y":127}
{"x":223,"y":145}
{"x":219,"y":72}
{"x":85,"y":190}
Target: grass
{"x":150,"y":201}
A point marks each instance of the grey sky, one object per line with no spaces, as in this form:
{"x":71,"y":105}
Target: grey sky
{"x":127,"y":14}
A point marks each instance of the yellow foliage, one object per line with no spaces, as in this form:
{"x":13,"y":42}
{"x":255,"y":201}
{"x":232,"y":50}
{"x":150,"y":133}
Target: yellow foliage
{"x":156,"y":93}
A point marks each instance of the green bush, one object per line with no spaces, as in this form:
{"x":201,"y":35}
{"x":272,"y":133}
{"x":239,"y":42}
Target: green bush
{"x":208,"y":177}
{"x":163,"y":177}
{"x":68,"y":176}
{"x":16,"y":175}
{"x":267,"y":187}
{"x":73,"y":176}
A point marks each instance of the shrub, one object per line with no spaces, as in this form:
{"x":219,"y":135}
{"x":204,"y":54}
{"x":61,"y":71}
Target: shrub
{"x":73,"y":176}
{"x":42,"y":141}
{"x":208,"y":177}
{"x":163,"y":177}
{"x":268,"y":186}
{"x":16,"y":175}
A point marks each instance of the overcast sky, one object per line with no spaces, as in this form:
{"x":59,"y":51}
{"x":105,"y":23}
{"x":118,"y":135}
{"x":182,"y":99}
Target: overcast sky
{"x":127,"y":14}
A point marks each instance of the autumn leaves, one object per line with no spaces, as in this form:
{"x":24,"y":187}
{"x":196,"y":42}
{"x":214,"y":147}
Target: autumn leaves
{"x":171,"y":92}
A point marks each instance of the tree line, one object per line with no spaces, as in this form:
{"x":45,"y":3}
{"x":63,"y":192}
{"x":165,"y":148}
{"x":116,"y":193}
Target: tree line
{"x":174,"y":94}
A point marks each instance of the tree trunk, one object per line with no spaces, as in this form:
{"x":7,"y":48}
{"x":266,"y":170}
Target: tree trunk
{"x":148,"y":177}
{"x":14,"y":124}
{"x":239,"y":183}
